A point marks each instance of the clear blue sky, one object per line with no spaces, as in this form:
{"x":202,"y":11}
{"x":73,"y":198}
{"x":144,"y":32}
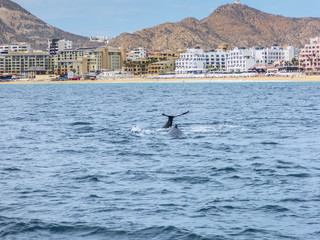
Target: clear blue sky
{"x":112,"y":17}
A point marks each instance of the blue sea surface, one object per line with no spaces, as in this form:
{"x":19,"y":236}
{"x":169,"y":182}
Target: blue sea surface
{"x":90,"y":161}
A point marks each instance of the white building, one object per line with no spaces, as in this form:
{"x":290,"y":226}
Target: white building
{"x":15,"y":47}
{"x":240,"y":60}
{"x":57,"y":45}
{"x":215,"y":60}
{"x":191,"y":62}
{"x":137,"y":54}
{"x":101,"y":39}
{"x":275,"y":53}
{"x":64,"y":45}
{"x":197,"y":61}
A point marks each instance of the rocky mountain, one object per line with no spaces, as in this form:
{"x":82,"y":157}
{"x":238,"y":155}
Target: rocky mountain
{"x":235,"y":24}
{"x":19,"y":25}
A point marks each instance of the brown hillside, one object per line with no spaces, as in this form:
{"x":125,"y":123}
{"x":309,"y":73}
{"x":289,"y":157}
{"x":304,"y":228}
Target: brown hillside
{"x":236,"y":24}
{"x":18,"y":25}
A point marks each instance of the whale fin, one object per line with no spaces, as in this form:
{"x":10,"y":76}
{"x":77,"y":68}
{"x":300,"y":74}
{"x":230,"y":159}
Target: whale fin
{"x":170,"y":119}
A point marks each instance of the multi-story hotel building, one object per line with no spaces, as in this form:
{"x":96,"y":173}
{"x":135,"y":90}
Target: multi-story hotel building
{"x":17,"y":63}
{"x":196,"y":61}
{"x":79,"y":61}
{"x":154,"y":63}
{"x":215,"y":60}
{"x":57,"y":45}
{"x":85,"y":60}
{"x":191,"y":62}
{"x":309,"y":58}
{"x":275,"y":53}
{"x":161,"y":68}
{"x":137,"y":54}
{"x":240,"y":60}
{"x":15,"y":47}
{"x":164,"y":55}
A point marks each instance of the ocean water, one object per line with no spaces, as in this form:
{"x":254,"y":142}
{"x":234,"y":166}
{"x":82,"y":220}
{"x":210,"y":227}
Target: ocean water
{"x":90,"y":161}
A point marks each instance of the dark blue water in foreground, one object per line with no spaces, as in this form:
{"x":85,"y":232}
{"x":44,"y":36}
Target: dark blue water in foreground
{"x":71,"y":168}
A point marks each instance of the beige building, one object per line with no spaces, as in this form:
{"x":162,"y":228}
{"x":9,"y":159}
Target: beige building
{"x":137,"y":67}
{"x":83,"y":61}
{"x":161,"y":68}
{"x":156,"y":63}
{"x":17,"y":63}
{"x":162,"y":56}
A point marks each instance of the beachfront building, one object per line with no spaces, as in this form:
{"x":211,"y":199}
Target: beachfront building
{"x":17,"y":63}
{"x":240,"y":60}
{"x":274,"y":54}
{"x":191,"y":62}
{"x":15,"y":47}
{"x":197,"y":61}
{"x":78,"y":61}
{"x":113,"y":58}
{"x":86,"y":60}
{"x":154,"y":63}
{"x":215,"y":60}
{"x":163,"y":55}
{"x":138,"y":67}
{"x":57,"y":45}
{"x":137,"y":54}
{"x":2,"y":64}
{"x":162,"y":67}
{"x":309,"y":58}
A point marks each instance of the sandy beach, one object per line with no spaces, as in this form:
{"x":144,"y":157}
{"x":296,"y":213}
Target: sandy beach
{"x":40,"y":80}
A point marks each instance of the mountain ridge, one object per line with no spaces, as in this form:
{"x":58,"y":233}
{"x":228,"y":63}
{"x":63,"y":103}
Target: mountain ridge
{"x":235,"y":24}
{"x":19,"y":25}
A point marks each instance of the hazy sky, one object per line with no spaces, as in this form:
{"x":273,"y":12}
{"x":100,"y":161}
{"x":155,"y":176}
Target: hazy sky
{"x":112,"y":17}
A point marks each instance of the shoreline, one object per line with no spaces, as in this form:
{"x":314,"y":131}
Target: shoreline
{"x":174,"y":80}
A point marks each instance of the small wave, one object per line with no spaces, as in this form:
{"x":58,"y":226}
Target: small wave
{"x":137,"y":175}
{"x":93,"y":196}
{"x":166,"y":191}
{"x":89,"y":178}
{"x":292,"y":200}
{"x":299,"y":175}
{"x":192,"y":180}
{"x":208,"y":209}
{"x":85,"y":130}
{"x":36,"y":229}
{"x":19,"y":119}
{"x":269,"y":143}
{"x":264,"y":170}
{"x":227,"y":169}
{"x":252,"y":230}
{"x":12,"y":169}
{"x":103,"y":130}
{"x":235,"y":177}
{"x":273,"y":208}
{"x":284,"y":162}
{"x":80,"y":123}
{"x":68,"y":151}
{"x":167,"y":233}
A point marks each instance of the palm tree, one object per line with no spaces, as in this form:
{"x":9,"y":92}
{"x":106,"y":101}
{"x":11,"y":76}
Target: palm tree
{"x":294,"y":61}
